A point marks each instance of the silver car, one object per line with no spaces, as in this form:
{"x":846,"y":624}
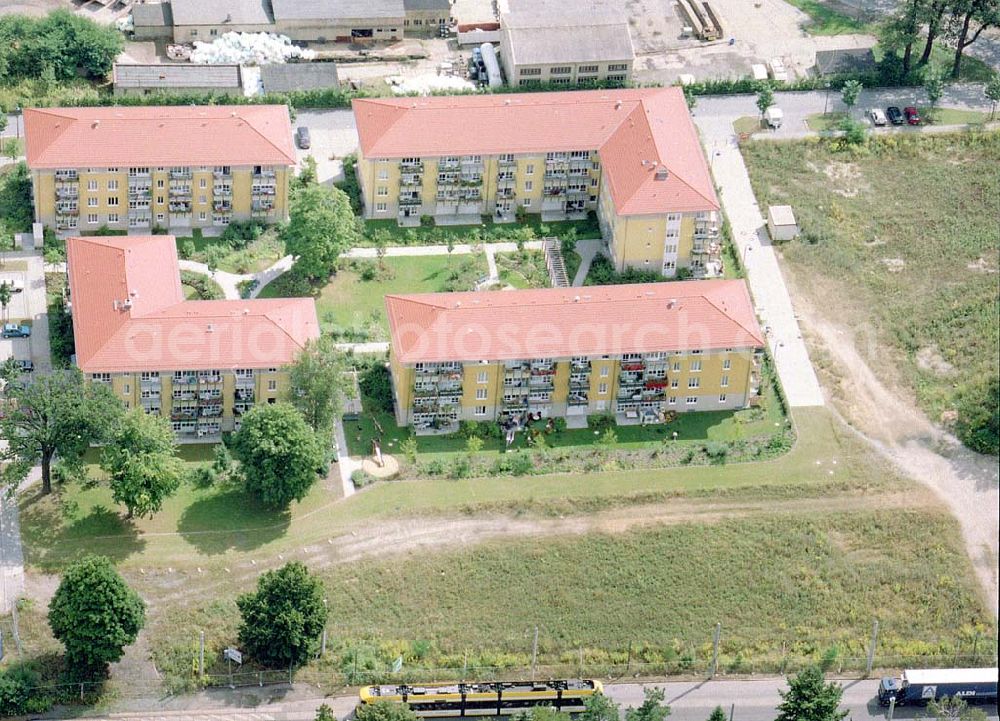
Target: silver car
{"x":877,"y":117}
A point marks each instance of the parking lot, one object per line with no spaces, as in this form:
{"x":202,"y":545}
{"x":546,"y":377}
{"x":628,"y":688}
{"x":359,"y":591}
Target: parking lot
{"x":29,"y":307}
{"x":333,"y":136}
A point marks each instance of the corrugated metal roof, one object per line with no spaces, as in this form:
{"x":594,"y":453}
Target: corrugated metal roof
{"x":285,"y":10}
{"x":222,"y":12}
{"x":414,"y":5}
{"x":208,"y":77}
{"x":286,"y":77}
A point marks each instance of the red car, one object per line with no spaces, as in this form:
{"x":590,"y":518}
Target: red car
{"x":912,"y":116}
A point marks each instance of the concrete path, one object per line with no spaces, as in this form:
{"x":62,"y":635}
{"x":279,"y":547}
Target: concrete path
{"x":345,"y":463}
{"x":587,"y":250}
{"x":365,"y":348}
{"x":773,"y":304}
{"x":395,"y":251}
{"x":491,"y":263}
{"x":11,"y":553}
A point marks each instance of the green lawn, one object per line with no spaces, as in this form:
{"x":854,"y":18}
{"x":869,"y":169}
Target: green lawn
{"x":826,"y":21}
{"x":748,"y":124}
{"x":523,"y":269}
{"x":353,"y":308}
{"x":915,"y":272}
{"x":257,"y":256}
{"x":952,"y":116}
{"x":822,"y":122}
{"x":785,"y":587}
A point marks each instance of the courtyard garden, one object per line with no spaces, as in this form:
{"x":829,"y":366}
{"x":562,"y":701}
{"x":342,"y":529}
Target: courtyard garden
{"x":243,"y":248}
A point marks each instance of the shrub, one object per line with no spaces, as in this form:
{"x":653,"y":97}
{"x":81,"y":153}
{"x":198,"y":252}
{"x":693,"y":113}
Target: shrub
{"x":186,"y":249}
{"x":240,"y":233}
{"x":716,"y":452}
{"x":559,"y":424}
{"x":434,"y":468}
{"x":978,"y":424}
{"x":350,"y":183}
{"x":376,"y":386}
{"x":15,"y":692}
{"x":460,"y":468}
{"x":360,"y":478}
{"x":600,"y":421}
{"x":206,"y":288}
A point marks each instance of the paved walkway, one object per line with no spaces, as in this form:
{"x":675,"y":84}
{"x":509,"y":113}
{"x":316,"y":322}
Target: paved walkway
{"x":394,"y":251}
{"x":345,"y":463}
{"x":587,"y":250}
{"x":773,"y":304}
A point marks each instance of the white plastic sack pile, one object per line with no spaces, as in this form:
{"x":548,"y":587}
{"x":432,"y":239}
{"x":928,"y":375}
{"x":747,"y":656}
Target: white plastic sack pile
{"x":248,"y":49}
{"x":427,"y":84}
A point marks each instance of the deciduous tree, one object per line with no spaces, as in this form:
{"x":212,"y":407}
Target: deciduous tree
{"x":325,"y":713}
{"x":653,"y":707}
{"x":383,"y":710}
{"x":765,"y":98}
{"x":850,"y":93}
{"x":320,"y":383}
{"x":321,"y":226}
{"x":717,"y":714}
{"x":95,"y":615}
{"x":810,"y":698}
{"x":600,"y":708}
{"x":55,"y":415}
{"x":141,"y":461}
{"x":281,"y":622}
{"x":933,"y":85}
{"x":992,"y":92}
{"x":278,"y":452}
{"x":954,"y":708}
{"x":969,"y":19}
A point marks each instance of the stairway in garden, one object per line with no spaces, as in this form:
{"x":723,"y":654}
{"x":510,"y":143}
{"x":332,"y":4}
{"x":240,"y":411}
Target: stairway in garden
{"x":554,"y":263}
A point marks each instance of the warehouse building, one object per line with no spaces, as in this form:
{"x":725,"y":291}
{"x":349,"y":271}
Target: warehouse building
{"x":635,"y":351}
{"x":188,"y":79}
{"x":545,"y":42}
{"x":205,"y":21}
{"x":322,"y":21}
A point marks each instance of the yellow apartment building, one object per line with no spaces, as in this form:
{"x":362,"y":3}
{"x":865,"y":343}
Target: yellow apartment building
{"x":631,"y":156}
{"x":203,"y":364}
{"x":175,"y":168}
{"x":635,"y":351}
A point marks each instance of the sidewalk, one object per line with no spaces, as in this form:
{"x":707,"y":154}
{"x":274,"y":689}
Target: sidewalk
{"x":767,"y":285}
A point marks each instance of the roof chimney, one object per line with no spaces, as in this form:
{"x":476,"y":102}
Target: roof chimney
{"x":211,"y":328}
{"x":662,"y":173}
{"x":95,"y":123}
{"x":618,"y":105}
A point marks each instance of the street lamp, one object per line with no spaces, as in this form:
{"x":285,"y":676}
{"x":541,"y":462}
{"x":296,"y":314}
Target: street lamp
{"x":746,"y":250}
{"x":826,"y":99}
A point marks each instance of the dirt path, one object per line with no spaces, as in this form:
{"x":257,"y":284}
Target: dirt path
{"x":393,"y":538}
{"x":966,"y":482}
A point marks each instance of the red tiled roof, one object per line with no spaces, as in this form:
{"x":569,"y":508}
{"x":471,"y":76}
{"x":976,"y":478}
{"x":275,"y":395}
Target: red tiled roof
{"x":565,"y":322}
{"x":129,"y":314}
{"x":636,"y":133}
{"x":158,"y":136}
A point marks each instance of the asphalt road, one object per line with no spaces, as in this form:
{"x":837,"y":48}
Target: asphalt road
{"x":754,"y":700}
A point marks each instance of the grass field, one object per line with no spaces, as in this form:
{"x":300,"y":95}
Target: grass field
{"x":748,"y":124}
{"x":784,"y":587}
{"x":826,"y":21}
{"x":821,"y":122}
{"x":257,"y":256}
{"x":912,"y":273}
{"x":350,"y":306}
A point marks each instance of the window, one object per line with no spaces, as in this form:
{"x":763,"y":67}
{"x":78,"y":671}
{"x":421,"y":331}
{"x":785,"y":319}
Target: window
{"x":691,"y":400}
{"x":112,"y":185}
{"x":113,"y":170}
{"x":529,"y":169}
{"x":480,"y":411}
{"x":694,"y":382}
{"x":150,"y":375}
{"x":92,"y":218}
{"x":617,"y":67}
{"x":670,"y":248}
{"x":602,"y":389}
{"x":159,"y":183}
{"x":695,"y":366}
{"x":481,"y":394}
{"x":673,"y":217}
{"x":531,"y":71}
{"x":91,"y":185}
{"x":677,"y":366}
{"x":382,"y":191}
{"x":134,"y":172}
{"x":213,"y":32}
{"x":272,"y":385}
{"x":203,"y":215}
{"x":91,"y":202}
{"x":561,"y":70}
{"x":203,"y":183}
{"x":526,"y":203}
{"x":100,"y":377}
{"x":528,"y":186}
{"x":113,"y":201}
{"x":383,"y":174}
{"x":588,"y":69}
{"x":159,"y":199}
{"x":724,"y":382}
{"x":112,"y":217}
{"x":381,"y":207}
{"x":696,"y":352}
{"x":722,"y":398}
{"x":560,"y":81}
{"x":160,"y":217}
{"x":605,"y":371}
{"x":481,"y":377}
{"x":672,"y":401}
{"x":202,"y":199}
{"x":126,"y":389}
{"x":674,"y":383}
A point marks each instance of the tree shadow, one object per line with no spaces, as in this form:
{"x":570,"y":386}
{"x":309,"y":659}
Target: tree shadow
{"x":231,"y":520}
{"x":51,"y":540}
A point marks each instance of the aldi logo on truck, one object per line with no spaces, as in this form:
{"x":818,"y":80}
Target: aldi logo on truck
{"x":929,"y":692}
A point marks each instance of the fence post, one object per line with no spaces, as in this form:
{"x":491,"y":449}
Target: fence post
{"x":201,"y":655}
{"x":534,"y":654}
{"x":81,"y":691}
{"x":715,"y":649}
{"x":871,"y":650}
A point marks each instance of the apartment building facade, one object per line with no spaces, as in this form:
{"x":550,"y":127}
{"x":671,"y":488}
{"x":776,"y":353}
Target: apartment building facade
{"x":202,"y":364}
{"x":631,"y":156}
{"x":636,"y":351}
{"x":176,"y":168}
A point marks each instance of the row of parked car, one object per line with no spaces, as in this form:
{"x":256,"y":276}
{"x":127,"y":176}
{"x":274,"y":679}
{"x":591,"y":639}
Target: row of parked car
{"x":894,"y":115}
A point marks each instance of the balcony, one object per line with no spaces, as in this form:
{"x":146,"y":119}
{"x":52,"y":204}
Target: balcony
{"x":262,"y":206}
{"x":449,"y":165}
{"x":180,"y":174}
{"x":264,"y":173}
{"x":222,"y":206}
{"x":217,"y":174}
{"x":411,"y":179}
{"x":225,"y":191}
{"x":66,"y":192}
{"x":67,"y":209}
{"x":411,"y":166}
{"x":180,"y":207}
{"x":67,"y":176}
{"x":507,"y":162}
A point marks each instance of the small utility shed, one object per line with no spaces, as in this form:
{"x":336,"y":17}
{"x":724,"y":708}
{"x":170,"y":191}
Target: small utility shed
{"x":152,"y":21}
{"x":781,"y":223}
{"x":287,"y":77}
{"x":188,"y":79}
